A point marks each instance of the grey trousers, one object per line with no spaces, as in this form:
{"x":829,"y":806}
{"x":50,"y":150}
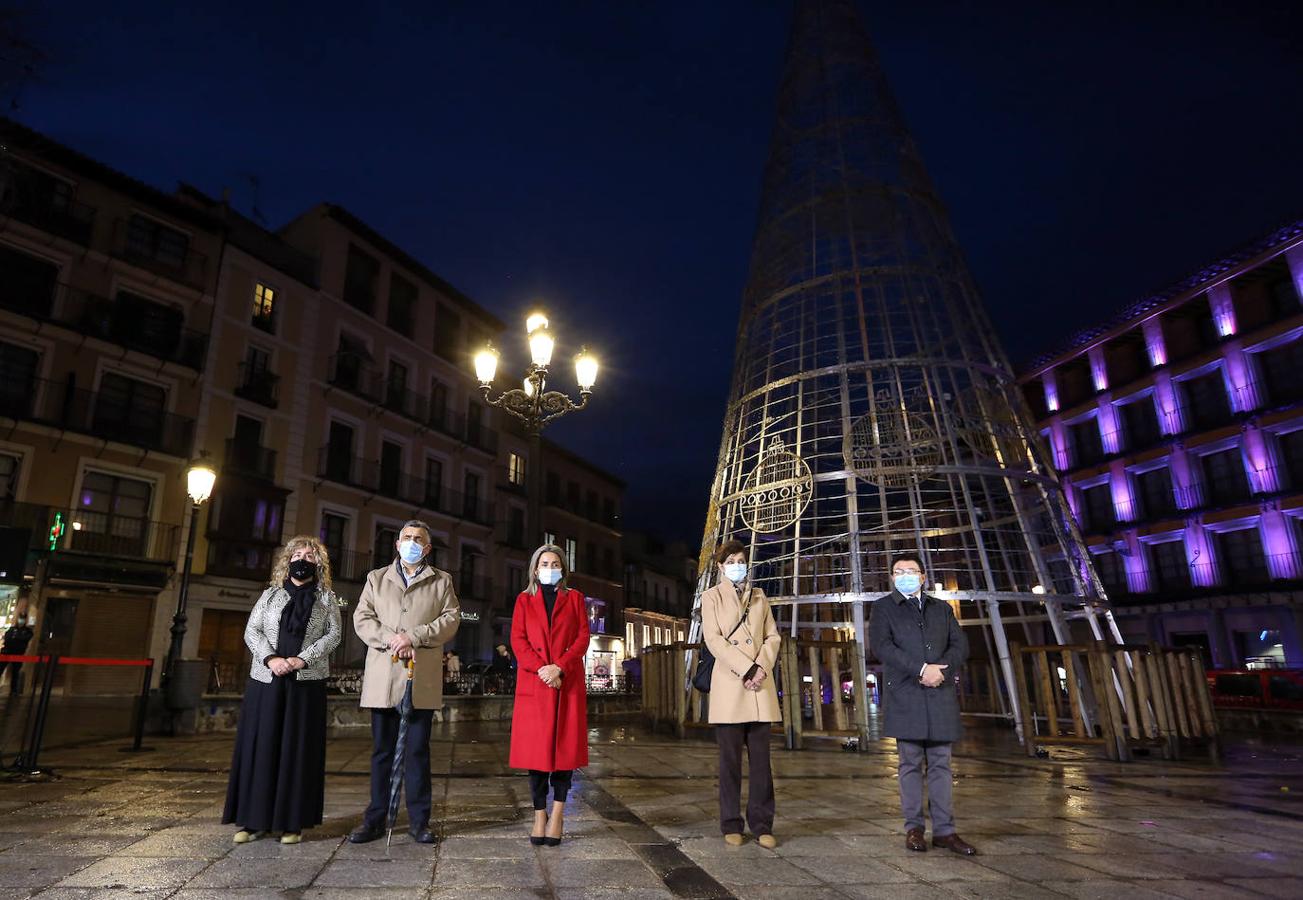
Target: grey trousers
{"x":936,"y":754}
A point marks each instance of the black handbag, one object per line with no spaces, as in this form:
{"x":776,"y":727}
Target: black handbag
{"x":706,"y":662}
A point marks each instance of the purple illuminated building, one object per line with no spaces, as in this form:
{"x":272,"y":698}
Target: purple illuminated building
{"x":1178,"y":431}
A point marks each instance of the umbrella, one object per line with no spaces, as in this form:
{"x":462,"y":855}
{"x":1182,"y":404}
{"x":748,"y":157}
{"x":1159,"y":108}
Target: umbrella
{"x":404,"y":708}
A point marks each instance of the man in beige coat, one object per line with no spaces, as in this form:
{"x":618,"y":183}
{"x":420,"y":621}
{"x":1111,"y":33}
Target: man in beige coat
{"x":407,"y":610}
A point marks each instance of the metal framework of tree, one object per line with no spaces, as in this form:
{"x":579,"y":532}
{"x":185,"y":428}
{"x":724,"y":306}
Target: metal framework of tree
{"x":872,"y":409}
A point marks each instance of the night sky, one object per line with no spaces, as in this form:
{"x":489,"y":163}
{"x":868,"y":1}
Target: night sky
{"x":604,"y":158}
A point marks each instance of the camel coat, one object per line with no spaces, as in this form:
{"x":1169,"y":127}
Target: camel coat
{"x":427,"y":609}
{"x":756,"y":641}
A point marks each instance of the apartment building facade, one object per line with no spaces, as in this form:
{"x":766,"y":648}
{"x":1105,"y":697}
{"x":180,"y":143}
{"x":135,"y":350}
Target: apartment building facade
{"x":659,"y":582}
{"x":107,"y":297}
{"x":1178,"y":431}
{"x":322,"y":369}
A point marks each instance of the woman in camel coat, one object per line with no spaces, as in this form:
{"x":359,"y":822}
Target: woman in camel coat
{"x":549,"y":721}
{"x":743,"y":699}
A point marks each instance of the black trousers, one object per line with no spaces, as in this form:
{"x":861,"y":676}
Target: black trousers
{"x":416,"y":780}
{"x":538,"y":783}
{"x":760,"y":794}
{"x":14,"y":668}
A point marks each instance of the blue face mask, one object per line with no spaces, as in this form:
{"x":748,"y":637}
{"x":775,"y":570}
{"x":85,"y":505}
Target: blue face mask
{"x":735,"y":572}
{"x":549,"y":576}
{"x":410,"y":552}
{"x":908,"y":583}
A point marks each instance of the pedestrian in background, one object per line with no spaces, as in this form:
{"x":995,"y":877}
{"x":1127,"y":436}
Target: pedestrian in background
{"x":738,"y":627}
{"x":278,"y":772}
{"x":549,"y":720}
{"x":17,"y":637}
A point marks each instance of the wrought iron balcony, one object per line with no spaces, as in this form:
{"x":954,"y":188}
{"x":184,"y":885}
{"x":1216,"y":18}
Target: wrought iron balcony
{"x":109,"y":320}
{"x":186,"y":266}
{"x":30,"y":197}
{"x":64,"y":406}
{"x":250,"y":459}
{"x":111,"y":535}
{"x":240,"y":559}
{"x":259,"y":384}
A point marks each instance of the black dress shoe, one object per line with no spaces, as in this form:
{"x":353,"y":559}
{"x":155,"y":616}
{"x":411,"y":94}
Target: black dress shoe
{"x":955,"y":844}
{"x":422,"y":835}
{"x":366,"y":833}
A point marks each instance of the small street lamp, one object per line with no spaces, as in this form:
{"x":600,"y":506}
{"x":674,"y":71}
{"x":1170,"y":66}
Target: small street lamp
{"x":200,"y":478}
{"x":532,"y":403}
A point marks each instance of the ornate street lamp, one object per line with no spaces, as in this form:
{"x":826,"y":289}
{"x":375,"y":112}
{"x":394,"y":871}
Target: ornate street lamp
{"x":200,"y":478}
{"x":532,"y":403}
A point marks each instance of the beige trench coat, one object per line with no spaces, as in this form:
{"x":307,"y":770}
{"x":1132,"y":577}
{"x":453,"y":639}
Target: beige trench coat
{"x":427,"y":609}
{"x":756,"y":641}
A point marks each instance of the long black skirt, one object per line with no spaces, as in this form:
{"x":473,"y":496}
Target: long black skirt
{"x":278,"y":773}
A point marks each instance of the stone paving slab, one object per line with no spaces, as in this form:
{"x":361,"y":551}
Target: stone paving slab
{"x":642,"y":822}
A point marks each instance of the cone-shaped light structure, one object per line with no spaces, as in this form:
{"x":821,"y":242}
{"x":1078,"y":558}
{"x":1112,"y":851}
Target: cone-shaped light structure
{"x":872,"y":410}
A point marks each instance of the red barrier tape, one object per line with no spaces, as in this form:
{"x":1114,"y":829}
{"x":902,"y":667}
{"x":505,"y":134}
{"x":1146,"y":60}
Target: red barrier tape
{"x":79,"y":660}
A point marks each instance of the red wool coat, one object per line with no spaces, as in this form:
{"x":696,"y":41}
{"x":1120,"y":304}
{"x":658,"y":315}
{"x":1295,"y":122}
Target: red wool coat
{"x":549,"y":726}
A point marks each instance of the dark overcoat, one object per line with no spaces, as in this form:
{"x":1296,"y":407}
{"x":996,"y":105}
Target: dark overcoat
{"x":549,"y":726}
{"x":905,"y":640}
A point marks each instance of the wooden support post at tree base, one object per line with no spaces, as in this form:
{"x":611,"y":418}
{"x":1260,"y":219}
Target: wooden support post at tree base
{"x":1021,"y":699}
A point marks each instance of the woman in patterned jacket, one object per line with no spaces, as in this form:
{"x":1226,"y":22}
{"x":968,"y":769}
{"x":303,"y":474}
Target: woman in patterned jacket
{"x":278,"y":773}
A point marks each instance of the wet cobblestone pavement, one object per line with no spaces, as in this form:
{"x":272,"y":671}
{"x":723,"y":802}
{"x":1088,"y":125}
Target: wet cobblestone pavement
{"x":642,"y":823}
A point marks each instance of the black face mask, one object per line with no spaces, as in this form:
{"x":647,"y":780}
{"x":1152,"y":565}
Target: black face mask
{"x":303,"y":570}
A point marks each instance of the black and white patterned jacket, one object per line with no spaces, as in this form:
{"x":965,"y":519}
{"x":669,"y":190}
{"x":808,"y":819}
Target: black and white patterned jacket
{"x":322,"y":636}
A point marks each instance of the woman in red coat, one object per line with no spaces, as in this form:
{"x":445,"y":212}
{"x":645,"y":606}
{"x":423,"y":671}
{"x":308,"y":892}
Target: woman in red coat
{"x":549,"y":722}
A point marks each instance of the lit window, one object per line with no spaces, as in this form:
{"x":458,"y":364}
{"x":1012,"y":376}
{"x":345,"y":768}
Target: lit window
{"x":549,"y":538}
{"x":516,"y":469}
{"x":646,"y":635}
{"x":264,"y":304}
{"x":628,"y":634}
{"x":571,"y":550}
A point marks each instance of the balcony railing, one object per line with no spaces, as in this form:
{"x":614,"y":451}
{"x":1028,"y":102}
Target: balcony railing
{"x":240,"y":559}
{"x":481,"y":437}
{"x":124,"y":537}
{"x":1250,"y":396}
{"x":372,"y":476}
{"x":258,"y":384}
{"x":26,"y":199}
{"x":1229,"y":491}
{"x":61,"y":405}
{"x":1191,"y":496}
{"x":351,"y":372}
{"x":250,"y":459}
{"x":1158,"y":507}
{"x":108,"y":320}
{"x":188,"y":267}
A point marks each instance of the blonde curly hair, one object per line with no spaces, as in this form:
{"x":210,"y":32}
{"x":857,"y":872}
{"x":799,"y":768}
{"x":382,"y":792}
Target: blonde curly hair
{"x":280,"y":568}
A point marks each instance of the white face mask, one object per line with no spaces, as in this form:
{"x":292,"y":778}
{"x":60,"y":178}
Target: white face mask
{"x":735,"y":572}
{"x":411,"y":552}
{"x":549,"y":576}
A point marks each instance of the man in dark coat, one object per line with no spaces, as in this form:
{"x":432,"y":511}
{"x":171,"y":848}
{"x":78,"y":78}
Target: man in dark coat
{"x":922,"y":648}
{"x":15,"y":642}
